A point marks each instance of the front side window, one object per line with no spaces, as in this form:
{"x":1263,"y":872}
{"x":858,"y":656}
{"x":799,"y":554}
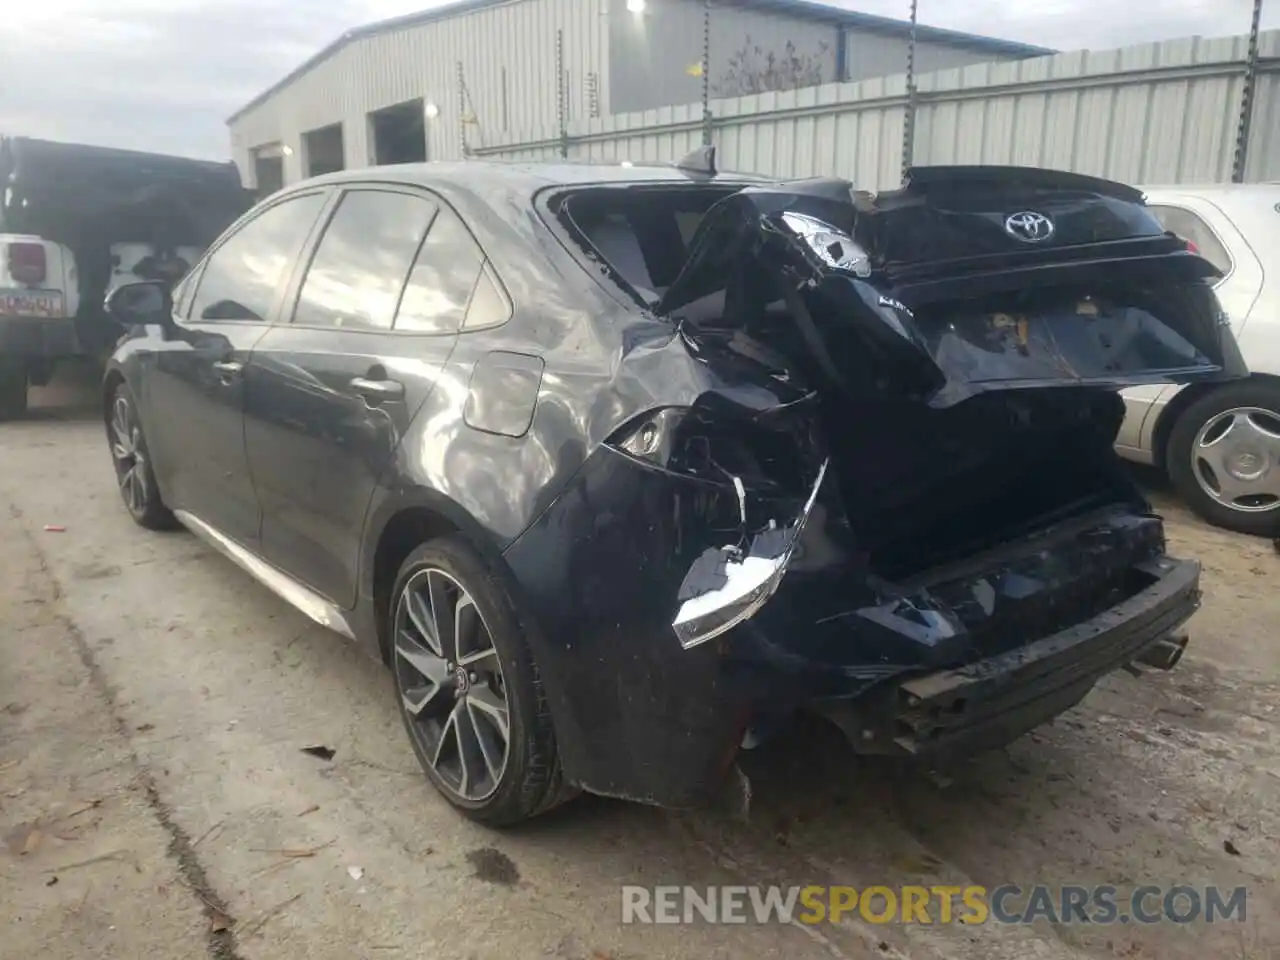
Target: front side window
{"x":356,"y":277}
{"x":1192,"y":228}
{"x":242,"y":276}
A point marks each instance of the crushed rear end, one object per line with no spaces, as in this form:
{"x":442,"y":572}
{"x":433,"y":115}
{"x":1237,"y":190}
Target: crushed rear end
{"x":870,"y":474}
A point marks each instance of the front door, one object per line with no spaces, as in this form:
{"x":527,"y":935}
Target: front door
{"x":330,"y":395}
{"x":195,"y":401}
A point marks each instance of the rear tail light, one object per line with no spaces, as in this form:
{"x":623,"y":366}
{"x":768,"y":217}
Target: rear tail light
{"x":27,"y":263}
{"x":1190,"y":245}
{"x":770,"y":452}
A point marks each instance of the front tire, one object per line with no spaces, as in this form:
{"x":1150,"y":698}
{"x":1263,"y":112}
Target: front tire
{"x":132,"y":460}
{"x":469,"y":690}
{"x":13,"y":388}
{"x":1223,"y":457}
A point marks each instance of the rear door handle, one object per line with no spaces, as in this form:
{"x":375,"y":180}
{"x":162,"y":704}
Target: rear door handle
{"x":227,"y":369}
{"x":376,"y":391}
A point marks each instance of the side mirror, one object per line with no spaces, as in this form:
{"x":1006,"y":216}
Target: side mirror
{"x":146,"y":301}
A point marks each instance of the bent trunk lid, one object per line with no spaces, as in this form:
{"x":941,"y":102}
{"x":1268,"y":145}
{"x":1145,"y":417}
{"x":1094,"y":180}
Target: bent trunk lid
{"x":967,"y":279}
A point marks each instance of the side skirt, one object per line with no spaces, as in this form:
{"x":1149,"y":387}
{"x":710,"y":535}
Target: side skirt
{"x":306,"y":600}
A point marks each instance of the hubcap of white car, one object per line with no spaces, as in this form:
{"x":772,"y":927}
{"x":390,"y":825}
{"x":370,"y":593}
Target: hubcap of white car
{"x":451,"y":684}
{"x":1236,"y":459}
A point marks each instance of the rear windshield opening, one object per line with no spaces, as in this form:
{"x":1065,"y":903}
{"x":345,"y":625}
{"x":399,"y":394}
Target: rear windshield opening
{"x":641,"y":235}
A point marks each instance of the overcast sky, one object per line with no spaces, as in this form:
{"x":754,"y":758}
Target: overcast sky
{"x":164,"y":74}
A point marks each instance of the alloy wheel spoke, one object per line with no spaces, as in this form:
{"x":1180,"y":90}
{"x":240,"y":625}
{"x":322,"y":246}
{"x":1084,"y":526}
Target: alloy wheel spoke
{"x":418,"y":610}
{"x":449,"y":742}
{"x":120,"y":419}
{"x":486,"y":659}
{"x":421,"y":658}
{"x":494,"y":708}
{"x":472,"y":759}
{"x":417,"y":699}
{"x":495,"y":754}
{"x":469,"y":635}
{"x":136,"y":498}
{"x":438,"y":594}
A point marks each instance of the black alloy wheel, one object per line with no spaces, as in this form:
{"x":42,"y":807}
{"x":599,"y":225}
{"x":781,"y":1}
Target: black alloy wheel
{"x":469,"y":691}
{"x":134,"y":475}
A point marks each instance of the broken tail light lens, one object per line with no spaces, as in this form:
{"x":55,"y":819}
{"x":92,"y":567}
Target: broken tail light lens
{"x":832,"y":246}
{"x":27,"y":263}
{"x":719,"y":448}
{"x":727,"y":585}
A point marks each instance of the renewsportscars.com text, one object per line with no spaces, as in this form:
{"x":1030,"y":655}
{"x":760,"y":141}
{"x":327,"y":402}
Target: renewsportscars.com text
{"x":934,"y":904}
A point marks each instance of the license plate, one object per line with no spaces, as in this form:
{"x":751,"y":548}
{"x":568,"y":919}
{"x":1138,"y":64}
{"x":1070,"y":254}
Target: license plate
{"x":31,"y":303}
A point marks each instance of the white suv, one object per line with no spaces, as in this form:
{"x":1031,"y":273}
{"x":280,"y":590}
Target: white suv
{"x":1221,"y":444}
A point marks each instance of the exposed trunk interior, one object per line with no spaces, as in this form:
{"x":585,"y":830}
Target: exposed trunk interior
{"x":924,"y":487}
{"x":922,"y":484}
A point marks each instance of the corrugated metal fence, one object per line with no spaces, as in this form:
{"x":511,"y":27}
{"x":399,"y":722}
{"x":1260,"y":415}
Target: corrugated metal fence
{"x":1156,"y":113}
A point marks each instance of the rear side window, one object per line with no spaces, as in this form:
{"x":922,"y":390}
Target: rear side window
{"x":241,"y":277}
{"x":1191,"y":227}
{"x":356,"y":277}
{"x":445,"y":275}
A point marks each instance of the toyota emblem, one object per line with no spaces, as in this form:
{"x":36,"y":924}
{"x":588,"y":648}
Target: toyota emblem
{"x":1028,"y":226}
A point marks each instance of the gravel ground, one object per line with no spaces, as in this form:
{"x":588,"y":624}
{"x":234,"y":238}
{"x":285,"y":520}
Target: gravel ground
{"x":155,"y":801}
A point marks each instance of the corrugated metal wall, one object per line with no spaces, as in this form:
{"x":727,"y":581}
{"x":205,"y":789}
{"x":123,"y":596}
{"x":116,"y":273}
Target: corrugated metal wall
{"x":508,"y":58}
{"x":1155,"y":113}
{"x":652,"y":56}
{"x":876,"y":55}
{"x":613,"y":60}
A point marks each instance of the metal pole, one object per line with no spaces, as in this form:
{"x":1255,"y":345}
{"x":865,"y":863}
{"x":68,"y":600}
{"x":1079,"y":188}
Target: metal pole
{"x":462,"y":112}
{"x":1246,"y":98}
{"x":561,"y":94}
{"x":706,"y":73}
{"x":909,"y":117}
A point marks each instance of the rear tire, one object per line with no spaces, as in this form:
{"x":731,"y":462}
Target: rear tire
{"x":13,"y":388}
{"x":1234,"y":485}
{"x":471,"y":699}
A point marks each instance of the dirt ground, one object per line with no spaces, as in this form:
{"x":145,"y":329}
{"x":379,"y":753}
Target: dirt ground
{"x":155,"y":801}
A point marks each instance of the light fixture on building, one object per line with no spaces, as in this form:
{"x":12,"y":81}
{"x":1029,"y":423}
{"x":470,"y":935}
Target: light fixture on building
{"x":287,"y":150}
{"x":636,"y":6}
{"x":431,"y":111}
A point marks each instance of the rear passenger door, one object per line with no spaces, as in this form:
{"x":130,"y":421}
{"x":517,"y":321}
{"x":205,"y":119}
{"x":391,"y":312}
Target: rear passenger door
{"x":332,"y":388}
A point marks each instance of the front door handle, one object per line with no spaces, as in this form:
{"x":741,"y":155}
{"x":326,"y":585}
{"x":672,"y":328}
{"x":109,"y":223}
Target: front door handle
{"x":377,"y":391}
{"x":227,"y":370}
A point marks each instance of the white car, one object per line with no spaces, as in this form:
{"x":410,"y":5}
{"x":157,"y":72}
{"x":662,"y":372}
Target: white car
{"x":1220,"y":445}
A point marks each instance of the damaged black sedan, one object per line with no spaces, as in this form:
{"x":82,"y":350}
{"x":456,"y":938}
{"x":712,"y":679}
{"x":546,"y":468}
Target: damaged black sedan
{"x":619,"y":467}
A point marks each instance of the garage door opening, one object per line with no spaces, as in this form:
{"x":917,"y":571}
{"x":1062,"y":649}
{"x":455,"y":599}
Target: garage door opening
{"x":324,"y":150}
{"x":399,"y":133}
{"x":268,"y":169}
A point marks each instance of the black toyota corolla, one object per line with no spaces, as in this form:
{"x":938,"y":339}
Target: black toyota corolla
{"x":618,"y":468}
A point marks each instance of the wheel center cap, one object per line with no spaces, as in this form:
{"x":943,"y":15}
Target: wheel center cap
{"x":1247,"y":465}
{"x":461,"y":682}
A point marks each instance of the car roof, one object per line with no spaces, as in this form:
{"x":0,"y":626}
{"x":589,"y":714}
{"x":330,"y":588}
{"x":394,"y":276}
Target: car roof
{"x":524,"y":177}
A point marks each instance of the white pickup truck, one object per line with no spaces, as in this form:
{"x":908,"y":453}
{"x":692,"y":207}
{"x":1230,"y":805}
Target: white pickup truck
{"x":75,"y":221}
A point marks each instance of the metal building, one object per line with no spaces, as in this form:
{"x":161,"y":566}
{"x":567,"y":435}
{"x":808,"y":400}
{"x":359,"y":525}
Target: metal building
{"x":434,"y":85}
